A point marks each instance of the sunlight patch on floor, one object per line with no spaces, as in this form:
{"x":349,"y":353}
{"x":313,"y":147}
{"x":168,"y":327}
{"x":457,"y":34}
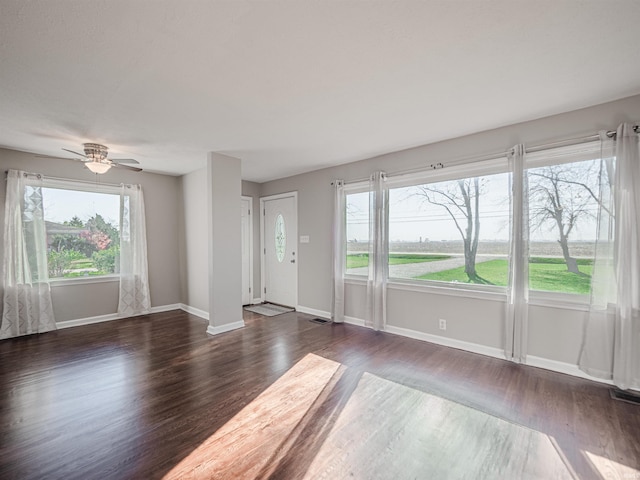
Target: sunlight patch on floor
{"x":388,"y":430}
{"x":251,"y":441}
{"x":608,"y":468}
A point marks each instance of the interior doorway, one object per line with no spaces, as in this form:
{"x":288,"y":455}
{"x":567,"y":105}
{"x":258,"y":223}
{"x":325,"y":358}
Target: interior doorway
{"x":246,"y":212}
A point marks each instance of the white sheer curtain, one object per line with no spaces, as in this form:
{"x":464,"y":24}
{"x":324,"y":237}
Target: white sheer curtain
{"x":378,"y":252}
{"x":611,"y":345}
{"x":27,"y":296}
{"x":339,"y":254}
{"x":134,"y":279}
{"x":517,"y":312}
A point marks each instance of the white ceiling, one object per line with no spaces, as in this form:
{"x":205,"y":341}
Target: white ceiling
{"x":293,"y":86}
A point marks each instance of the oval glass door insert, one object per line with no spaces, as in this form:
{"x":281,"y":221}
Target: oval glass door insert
{"x":281,"y":238}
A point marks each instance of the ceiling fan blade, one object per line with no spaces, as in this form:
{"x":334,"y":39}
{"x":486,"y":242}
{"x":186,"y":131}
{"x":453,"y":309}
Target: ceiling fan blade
{"x":128,"y":167}
{"x":60,"y":158}
{"x":125,"y":160}
{"x":76,"y":153}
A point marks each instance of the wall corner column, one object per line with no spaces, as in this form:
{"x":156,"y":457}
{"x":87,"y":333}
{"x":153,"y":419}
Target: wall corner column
{"x":224,"y":189}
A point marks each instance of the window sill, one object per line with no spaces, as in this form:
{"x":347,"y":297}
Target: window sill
{"x":567,"y":301}
{"x":483,"y":293}
{"x":497,"y":294}
{"x":66,"y":282}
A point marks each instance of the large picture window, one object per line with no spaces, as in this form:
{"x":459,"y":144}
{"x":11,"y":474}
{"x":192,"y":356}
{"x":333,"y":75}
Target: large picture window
{"x":454,"y":231}
{"x":452,"y":226}
{"x":82,"y":231}
{"x":62,"y":229}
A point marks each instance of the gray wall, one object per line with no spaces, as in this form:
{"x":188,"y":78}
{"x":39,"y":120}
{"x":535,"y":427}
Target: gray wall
{"x":555,"y":333}
{"x":194,"y":250}
{"x":163,"y":204}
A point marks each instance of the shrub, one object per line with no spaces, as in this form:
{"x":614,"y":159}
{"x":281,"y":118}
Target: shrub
{"x":59,"y":261}
{"x":105,"y":260}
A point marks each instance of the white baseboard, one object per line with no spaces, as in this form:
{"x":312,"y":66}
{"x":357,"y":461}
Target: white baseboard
{"x":256,"y":301}
{"x":324,"y":314}
{"x":227,"y":327}
{"x":447,"y":342}
{"x":562,"y":367}
{"x":211,"y":330}
{"x":313,"y":311}
{"x":194,"y":311}
{"x":166,"y":308}
{"x":354,"y":321}
{"x":159,"y":309}
{"x":110,"y":316}
{"x":87,"y":321}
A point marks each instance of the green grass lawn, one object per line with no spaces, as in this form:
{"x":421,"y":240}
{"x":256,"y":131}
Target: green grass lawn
{"x":362,"y":259}
{"x":82,"y":263}
{"x":547,"y":274}
{"x":544,"y":274}
{"x":81,"y":266}
{"x":83,"y":274}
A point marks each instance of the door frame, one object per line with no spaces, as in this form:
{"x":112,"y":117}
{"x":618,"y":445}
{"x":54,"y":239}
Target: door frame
{"x":250,"y":200}
{"x":278,"y":196}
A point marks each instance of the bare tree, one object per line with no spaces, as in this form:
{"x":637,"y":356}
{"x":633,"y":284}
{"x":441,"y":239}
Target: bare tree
{"x":591,"y":176}
{"x":461,"y":200}
{"x":561,"y":196}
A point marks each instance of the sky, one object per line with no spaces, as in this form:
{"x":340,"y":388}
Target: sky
{"x":61,"y":205}
{"x":412,"y":218}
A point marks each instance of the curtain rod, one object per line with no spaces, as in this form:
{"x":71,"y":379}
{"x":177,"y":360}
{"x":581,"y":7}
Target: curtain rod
{"x":86,"y":182}
{"x":495,"y":156}
{"x":435,"y":166}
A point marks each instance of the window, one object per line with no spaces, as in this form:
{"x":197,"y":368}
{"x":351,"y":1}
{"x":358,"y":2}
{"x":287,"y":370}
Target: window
{"x":357,"y":214}
{"x":563,"y":209}
{"x":454,"y":231}
{"x":83,"y":232}
{"x":452,"y":225}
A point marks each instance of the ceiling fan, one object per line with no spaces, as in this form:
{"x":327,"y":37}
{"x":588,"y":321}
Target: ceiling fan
{"x":95,"y":159}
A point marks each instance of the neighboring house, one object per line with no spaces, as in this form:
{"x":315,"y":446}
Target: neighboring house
{"x":54,"y":229}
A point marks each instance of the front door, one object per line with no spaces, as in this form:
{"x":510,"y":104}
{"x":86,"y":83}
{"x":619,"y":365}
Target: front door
{"x":280,"y":246}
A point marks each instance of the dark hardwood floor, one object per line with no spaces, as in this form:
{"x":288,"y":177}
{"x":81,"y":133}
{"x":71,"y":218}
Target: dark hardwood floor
{"x":156,"y":397}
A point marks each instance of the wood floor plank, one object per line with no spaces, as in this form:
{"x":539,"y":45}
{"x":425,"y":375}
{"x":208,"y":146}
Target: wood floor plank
{"x":152,"y":397}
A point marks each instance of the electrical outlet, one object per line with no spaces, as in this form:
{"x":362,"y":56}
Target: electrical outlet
{"x":443,"y":324}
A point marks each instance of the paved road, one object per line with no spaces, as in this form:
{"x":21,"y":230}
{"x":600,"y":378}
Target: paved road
{"x":412,"y":270}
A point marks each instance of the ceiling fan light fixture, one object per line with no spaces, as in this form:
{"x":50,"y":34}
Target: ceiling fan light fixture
{"x":98,"y":167}
{"x":95,"y":158}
